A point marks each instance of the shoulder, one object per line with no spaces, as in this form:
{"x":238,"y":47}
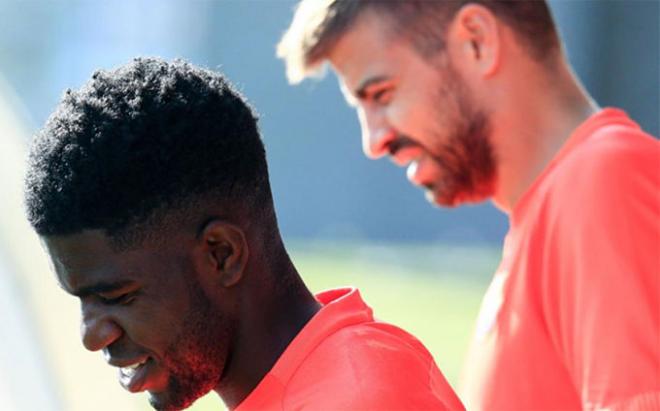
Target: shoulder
{"x":611,"y":155}
{"x":367,"y":356}
{"x":600,"y":211}
{"x":372,"y":366}
{"x":612,"y":173}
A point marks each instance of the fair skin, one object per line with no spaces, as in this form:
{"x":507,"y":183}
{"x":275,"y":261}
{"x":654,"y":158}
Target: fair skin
{"x":484,"y":86}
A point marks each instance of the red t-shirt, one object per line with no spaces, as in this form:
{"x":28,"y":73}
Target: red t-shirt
{"x":572,"y":317}
{"x":343,"y":359}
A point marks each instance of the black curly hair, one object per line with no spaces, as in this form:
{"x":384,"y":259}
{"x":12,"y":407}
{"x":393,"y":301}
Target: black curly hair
{"x":147,"y":139}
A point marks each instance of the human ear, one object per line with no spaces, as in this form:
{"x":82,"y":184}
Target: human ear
{"x":475,"y":33}
{"x":226,"y":251}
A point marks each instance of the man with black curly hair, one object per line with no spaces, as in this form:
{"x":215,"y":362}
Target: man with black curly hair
{"x":149,"y":188}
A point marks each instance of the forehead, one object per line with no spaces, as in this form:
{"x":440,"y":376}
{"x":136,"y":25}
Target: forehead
{"x":369,"y":48}
{"x":83,"y":259}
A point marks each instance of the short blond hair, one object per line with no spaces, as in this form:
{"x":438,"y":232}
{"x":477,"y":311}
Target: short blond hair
{"x":318,"y":25}
{"x":298,"y":46}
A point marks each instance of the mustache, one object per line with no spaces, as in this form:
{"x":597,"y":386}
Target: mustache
{"x":401,"y":142}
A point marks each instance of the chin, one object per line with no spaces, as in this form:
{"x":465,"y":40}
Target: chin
{"x":455,"y":200}
{"x":163,"y":401}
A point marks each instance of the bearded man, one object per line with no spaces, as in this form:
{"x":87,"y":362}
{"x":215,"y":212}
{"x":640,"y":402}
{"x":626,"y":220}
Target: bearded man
{"x":478,"y":101}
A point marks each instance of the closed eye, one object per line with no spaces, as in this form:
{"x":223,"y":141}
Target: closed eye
{"x":380,"y":92}
{"x":122,"y":299}
{"x":382,"y":96}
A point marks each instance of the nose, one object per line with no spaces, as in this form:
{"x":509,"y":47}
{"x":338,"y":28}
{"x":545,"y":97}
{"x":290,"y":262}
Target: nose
{"x":377,"y":134}
{"x":97,"y":330}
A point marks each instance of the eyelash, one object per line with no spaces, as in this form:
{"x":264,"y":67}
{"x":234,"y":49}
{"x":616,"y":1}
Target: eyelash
{"x":376,"y":97}
{"x":123,"y":299}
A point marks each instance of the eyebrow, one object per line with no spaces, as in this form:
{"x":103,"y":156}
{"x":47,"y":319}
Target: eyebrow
{"x":361,"y":90}
{"x":99,"y":288}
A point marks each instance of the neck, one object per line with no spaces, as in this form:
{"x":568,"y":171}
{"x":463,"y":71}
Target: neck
{"x":535,"y":120}
{"x":270,"y":318}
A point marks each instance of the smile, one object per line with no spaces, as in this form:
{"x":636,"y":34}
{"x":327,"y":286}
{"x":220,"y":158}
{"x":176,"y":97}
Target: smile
{"x":405,"y":155}
{"x":132,"y":376}
{"x":414,"y":174}
{"x":131,"y":369}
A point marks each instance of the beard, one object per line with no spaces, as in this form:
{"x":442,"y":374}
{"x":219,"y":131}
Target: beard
{"x":197,"y":357}
{"x":464,"y":153}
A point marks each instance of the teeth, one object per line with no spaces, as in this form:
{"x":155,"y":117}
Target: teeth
{"x":130,"y":370}
{"x":412,"y":170}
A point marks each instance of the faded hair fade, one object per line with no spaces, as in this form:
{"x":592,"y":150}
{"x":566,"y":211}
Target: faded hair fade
{"x":318,"y":25}
{"x":141,"y":149}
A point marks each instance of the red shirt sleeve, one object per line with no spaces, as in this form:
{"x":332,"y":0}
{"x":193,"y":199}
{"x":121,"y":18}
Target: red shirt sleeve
{"x":601,"y":286}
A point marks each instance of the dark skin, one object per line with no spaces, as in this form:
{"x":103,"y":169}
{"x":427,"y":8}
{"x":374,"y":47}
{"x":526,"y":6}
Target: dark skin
{"x":194,"y":313}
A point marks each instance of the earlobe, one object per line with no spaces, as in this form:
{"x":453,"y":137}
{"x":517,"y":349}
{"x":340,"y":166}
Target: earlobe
{"x":226,"y":250}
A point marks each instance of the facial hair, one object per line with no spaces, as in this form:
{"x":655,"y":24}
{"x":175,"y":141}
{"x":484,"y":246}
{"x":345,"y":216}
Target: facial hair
{"x":464,"y":152}
{"x":197,"y":357}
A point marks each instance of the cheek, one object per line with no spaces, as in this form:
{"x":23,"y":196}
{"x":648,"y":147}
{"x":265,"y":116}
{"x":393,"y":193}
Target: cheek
{"x":404,"y":117}
{"x":155,"y":320}
{"x":416,"y":115}
{"x":421,"y":124}
{"x":151,"y":329}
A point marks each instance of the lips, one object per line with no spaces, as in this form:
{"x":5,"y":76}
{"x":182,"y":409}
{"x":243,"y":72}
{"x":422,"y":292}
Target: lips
{"x":132,"y":377}
{"x":133,"y":372}
{"x":423,"y":172}
{"x":405,"y":154}
{"x":411,"y":171}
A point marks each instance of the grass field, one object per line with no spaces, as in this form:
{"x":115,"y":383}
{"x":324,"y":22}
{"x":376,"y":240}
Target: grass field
{"x":431,"y":291}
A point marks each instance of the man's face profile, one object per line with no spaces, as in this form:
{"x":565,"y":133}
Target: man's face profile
{"x":145,"y":309}
{"x":418,"y":112}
